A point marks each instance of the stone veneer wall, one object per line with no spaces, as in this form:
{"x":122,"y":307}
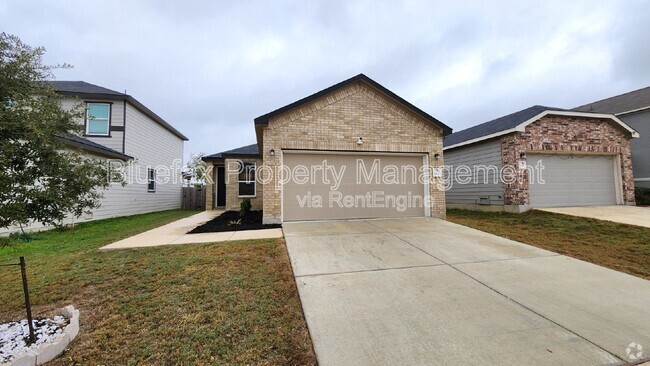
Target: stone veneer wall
{"x":565,"y":134}
{"x":336,"y":120}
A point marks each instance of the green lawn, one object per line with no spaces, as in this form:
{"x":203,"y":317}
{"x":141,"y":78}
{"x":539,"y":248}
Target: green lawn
{"x":231,"y":303}
{"x":625,"y":248}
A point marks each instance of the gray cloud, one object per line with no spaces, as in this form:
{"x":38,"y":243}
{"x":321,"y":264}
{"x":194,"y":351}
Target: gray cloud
{"x":210,"y":67}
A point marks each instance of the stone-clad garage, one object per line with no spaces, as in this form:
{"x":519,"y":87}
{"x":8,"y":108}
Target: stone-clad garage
{"x":356,"y":119}
{"x":542,"y":157}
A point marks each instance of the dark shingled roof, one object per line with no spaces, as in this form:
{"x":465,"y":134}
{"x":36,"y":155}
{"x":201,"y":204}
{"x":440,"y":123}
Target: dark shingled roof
{"x":248,"y":150}
{"x":85,"y":144}
{"x":637,"y":99}
{"x":497,"y":125}
{"x":263,"y":120}
{"x":79,"y":87}
{"x":83,"y":89}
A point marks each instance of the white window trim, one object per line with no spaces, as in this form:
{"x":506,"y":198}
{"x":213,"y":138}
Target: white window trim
{"x":149,"y":180}
{"x":247,"y":181}
{"x":108,"y":128}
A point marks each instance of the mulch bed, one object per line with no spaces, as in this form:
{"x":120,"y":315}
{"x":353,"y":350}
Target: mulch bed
{"x":233,"y":221}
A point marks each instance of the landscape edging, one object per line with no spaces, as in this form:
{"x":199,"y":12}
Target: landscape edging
{"x":48,"y":351}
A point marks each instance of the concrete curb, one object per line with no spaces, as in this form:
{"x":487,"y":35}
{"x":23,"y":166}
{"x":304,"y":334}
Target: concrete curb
{"x":48,"y":351}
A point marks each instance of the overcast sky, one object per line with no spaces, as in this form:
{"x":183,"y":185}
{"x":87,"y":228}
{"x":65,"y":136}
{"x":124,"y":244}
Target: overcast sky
{"x":210,"y":67}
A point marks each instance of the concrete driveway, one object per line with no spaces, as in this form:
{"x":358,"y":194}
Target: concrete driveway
{"x":429,"y":292}
{"x":631,"y":215}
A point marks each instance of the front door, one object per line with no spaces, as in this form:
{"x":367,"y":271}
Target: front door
{"x":221,"y":186}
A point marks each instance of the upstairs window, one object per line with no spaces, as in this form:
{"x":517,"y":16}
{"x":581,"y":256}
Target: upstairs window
{"x":151,"y":180}
{"x":98,"y":119}
{"x":247,"y":180}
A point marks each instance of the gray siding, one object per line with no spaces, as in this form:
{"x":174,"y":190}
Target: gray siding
{"x":486,"y":154}
{"x":117,"y":119}
{"x":641,"y":146}
{"x":150,"y":145}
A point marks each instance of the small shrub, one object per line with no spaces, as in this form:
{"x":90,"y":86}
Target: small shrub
{"x":245,"y":207}
{"x":642,"y":195}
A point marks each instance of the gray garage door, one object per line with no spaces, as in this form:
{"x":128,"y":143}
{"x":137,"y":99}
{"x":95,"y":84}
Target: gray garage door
{"x":358,"y":194}
{"x":573,"y":180}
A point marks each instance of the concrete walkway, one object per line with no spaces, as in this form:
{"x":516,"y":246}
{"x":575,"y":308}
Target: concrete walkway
{"x":176,"y":233}
{"x":631,"y":215}
{"x":430,"y":292}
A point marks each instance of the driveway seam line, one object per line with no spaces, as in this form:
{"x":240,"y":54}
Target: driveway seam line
{"x":371,"y":270}
{"x":507,"y":297}
{"x":505,"y":259}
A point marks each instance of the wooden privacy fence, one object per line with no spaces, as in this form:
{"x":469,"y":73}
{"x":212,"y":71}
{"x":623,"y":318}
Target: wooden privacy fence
{"x":193,"y":198}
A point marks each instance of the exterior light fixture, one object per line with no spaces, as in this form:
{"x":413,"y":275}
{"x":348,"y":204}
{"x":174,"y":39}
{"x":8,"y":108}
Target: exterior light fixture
{"x":272,"y":152}
{"x":360,"y":141}
{"x":436,"y":157}
{"x":522,"y":155}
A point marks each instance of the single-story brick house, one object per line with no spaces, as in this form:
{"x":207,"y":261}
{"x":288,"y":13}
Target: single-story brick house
{"x":325,"y":142}
{"x":541,"y":157}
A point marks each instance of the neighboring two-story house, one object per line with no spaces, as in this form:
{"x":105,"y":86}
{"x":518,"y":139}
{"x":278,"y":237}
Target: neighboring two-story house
{"x":634,"y":109}
{"x":120,"y":128}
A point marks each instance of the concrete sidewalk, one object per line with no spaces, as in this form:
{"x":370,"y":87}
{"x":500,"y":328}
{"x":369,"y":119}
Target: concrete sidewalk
{"x":176,"y":233}
{"x":631,"y":215}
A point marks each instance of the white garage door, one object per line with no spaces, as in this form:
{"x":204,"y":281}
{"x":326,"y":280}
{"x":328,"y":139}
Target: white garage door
{"x":573,"y":180}
{"x":325,"y":186}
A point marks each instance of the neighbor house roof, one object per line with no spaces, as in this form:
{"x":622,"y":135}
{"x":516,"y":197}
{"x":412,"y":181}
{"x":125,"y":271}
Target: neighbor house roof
{"x":264,"y":119}
{"x":83,"y":89}
{"x":85,"y":144}
{"x":517,"y":122}
{"x":633,"y":101}
{"x":248,"y":150}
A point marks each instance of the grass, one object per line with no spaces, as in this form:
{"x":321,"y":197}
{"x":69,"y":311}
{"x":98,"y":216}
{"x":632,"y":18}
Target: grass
{"x":621,"y":247}
{"x":231,"y":303}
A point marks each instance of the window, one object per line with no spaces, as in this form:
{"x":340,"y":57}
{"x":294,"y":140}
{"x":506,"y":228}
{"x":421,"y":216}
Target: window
{"x":246,"y":179}
{"x":98,"y":119}
{"x":151,"y":180}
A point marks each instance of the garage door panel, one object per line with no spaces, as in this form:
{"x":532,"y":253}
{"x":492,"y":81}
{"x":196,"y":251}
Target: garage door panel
{"x":573,"y":181}
{"x":342,"y":202}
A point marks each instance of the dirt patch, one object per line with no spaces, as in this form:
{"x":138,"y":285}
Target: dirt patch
{"x":233,"y":221}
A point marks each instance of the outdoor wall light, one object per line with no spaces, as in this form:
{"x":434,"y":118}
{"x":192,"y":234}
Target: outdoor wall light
{"x":272,"y":152}
{"x":522,"y":155}
{"x":436,"y":157}
{"x":360,"y":141}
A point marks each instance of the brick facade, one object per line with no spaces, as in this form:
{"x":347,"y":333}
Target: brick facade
{"x":565,"y":134}
{"x":233,"y":200}
{"x":232,"y":191}
{"x":335,"y":121}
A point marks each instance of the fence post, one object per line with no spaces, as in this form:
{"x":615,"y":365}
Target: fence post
{"x":28,"y":305}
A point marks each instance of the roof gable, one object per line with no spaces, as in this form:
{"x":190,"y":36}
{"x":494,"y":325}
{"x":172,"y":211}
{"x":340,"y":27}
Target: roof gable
{"x":264,"y":119}
{"x":620,"y":104}
{"x":496,"y":125}
{"x":516,"y":122}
